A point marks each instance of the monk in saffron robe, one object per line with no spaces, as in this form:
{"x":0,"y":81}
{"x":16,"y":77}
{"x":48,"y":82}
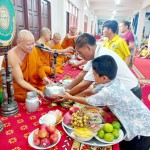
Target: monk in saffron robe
{"x":46,"y":57}
{"x":55,"y":44}
{"x":28,"y":72}
{"x":69,"y":38}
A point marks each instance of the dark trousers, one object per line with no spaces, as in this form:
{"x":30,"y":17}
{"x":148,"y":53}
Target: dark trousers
{"x":138,"y":143}
{"x":137,"y":91}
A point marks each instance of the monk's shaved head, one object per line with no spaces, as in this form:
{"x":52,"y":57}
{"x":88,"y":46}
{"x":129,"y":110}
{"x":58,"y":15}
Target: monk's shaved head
{"x":45,"y":31}
{"x":72,"y":27}
{"x":56,"y":35}
{"x":56,"y":38}
{"x":24,"y":35}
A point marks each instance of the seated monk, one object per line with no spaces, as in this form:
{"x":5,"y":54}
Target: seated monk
{"x":28,"y":72}
{"x":55,"y":44}
{"x":69,"y":38}
{"x":46,"y":57}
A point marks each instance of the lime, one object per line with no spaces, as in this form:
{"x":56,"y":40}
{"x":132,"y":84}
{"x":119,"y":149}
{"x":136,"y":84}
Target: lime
{"x":115,"y":132}
{"x":116,"y":125}
{"x":109,"y":137}
{"x":108,"y":127}
{"x":101,"y":134}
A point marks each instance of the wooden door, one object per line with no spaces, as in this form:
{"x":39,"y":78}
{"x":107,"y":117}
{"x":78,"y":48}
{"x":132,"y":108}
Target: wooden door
{"x":85,"y":23}
{"x":33,"y":17}
{"x":67,"y":22}
{"x":20,"y":17}
{"x":46,"y":14}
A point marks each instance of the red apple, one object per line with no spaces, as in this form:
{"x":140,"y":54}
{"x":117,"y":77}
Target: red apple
{"x":45,"y":142}
{"x":51,"y":129}
{"x":42,"y":126}
{"x":105,"y":108}
{"x":71,"y":110}
{"x":54,"y":138}
{"x":76,"y":109}
{"x":36,"y":141}
{"x":42,"y":133}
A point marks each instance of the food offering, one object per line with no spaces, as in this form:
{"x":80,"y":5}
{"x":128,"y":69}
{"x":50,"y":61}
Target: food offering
{"x":76,"y":118}
{"x":110,"y":132}
{"x":44,"y":137}
{"x":83,"y":134}
{"x":51,"y":118}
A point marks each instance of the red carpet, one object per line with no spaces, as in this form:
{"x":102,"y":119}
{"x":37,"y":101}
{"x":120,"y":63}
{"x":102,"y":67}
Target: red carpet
{"x":143,"y":65}
{"x":145,"y":93}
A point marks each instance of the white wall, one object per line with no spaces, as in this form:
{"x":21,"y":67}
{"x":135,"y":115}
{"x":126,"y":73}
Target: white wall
{"x":58,"y":16}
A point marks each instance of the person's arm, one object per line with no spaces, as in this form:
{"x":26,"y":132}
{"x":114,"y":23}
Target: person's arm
{"x":18,"y":76}
{"x":127,"y":61}
{"x":71,"y":37}
{"x":77,"y":80}
{"x":131,"y":45}
{"x":98,"y":99}
{"x":80,"y":87}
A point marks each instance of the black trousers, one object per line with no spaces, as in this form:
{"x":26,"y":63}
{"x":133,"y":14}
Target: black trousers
{"x":138,"y":143}
{"x":137,"y":91}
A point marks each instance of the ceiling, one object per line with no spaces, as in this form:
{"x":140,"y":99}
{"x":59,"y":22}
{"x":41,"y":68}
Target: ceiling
{"x":107,"y":8}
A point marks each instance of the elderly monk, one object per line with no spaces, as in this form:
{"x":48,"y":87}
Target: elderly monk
{"x":44,"y":38}
{"x":55,"y":44}
{"x":28,"y":72}
{"x":69,"y":38}
{"x":46,"y":57}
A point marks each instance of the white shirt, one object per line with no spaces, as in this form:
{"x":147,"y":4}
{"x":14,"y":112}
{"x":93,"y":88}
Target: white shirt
{"x":87,"y":66}
{"x":123,"y":74}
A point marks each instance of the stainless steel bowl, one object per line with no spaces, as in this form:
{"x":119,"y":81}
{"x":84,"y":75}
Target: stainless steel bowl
{"x":51,"y":90}
{"x":73,"y":62}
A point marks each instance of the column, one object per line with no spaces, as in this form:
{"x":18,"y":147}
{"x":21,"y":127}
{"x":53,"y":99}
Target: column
{"x":140,"y":26}
{"x":59,"y":16}
{"x":81,"y":17}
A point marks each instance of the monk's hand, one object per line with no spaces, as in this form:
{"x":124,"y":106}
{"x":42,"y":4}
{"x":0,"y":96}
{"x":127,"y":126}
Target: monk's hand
{"x":47,"y":81}
{"x":69,"y":50}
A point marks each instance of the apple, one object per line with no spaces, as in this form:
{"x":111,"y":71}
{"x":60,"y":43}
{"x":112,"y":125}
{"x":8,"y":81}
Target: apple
{"x":106,"y":109}
{"x":36,"y":141}
{"x":54,"y":138}
{"x":45,"y":142}
{"x":51,"y":129}
{"x":42,"y":133}
{"x":71,"y":110}
{"x":42,"y":126}
{"x":35,"y":133}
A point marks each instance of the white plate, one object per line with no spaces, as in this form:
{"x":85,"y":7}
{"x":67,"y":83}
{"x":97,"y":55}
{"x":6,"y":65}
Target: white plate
{"x":86,"y":139}
{"x":53,"y":116}
{"x":41,"y":120}
{"x":115,"y":140}
{"x":30,"y":141}
{"x":67,"y":126}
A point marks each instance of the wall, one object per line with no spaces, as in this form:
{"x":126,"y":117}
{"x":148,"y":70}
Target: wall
{"x":58,"y":16}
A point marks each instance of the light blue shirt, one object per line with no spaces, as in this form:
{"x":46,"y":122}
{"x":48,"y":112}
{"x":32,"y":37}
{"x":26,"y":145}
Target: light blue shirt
{"x":132,"y":112}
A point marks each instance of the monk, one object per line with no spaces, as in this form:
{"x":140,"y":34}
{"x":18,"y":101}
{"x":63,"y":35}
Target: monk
{"x":28,"y":72}
{"x":46,"y":57}
{"x":69,"y":38}
{"x":55,"y":44}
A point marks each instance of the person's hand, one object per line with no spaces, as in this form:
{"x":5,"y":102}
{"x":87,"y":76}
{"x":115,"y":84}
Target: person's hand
{"x":40,"y":93}
{"x":47,"y":81}
{"x":62,"y":97}
{"x":69,"y":50}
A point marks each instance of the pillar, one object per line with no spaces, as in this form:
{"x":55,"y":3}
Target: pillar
{"x":140,"y":26}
